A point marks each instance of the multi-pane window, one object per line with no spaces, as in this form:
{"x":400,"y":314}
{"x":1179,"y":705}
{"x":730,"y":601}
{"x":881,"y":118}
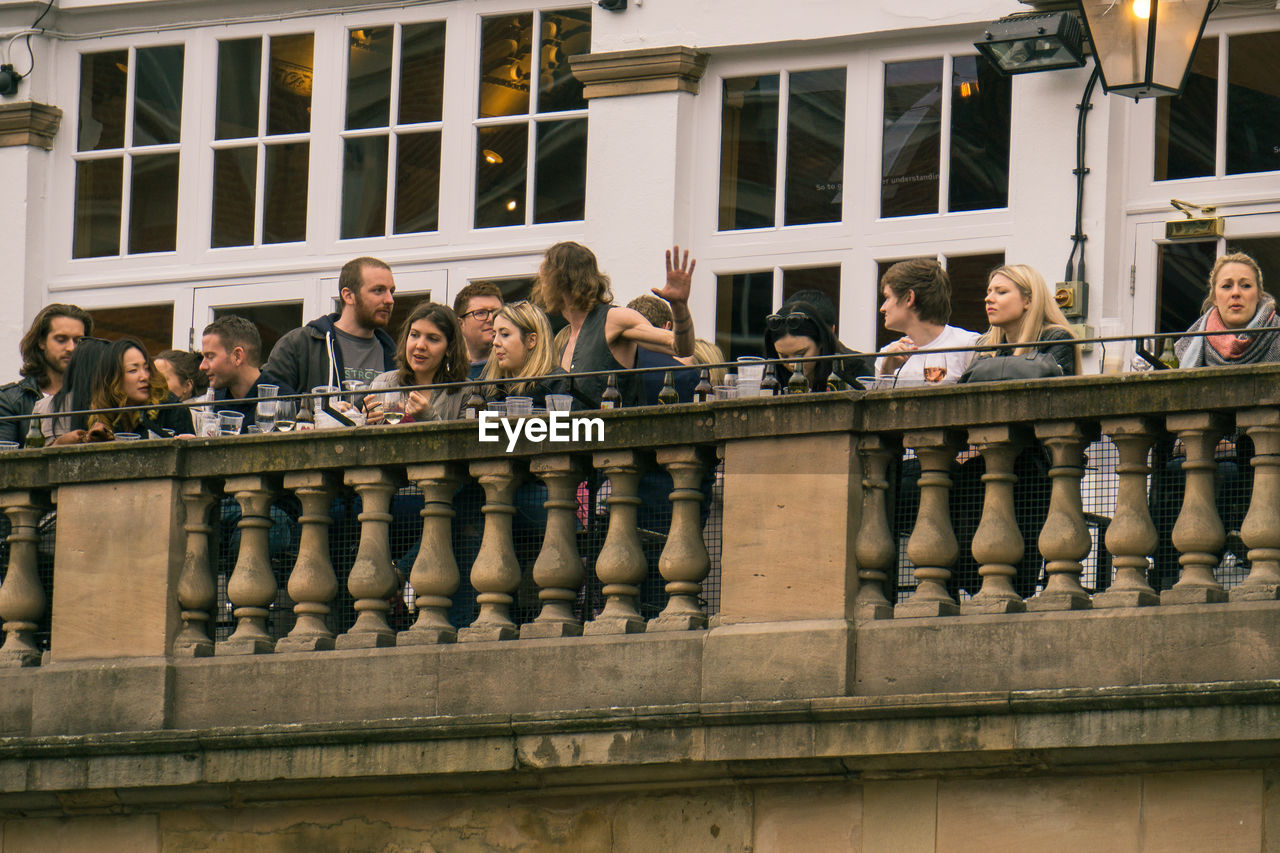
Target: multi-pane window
{"x":531,"y":130}
{"x":391,"y":136}
{"x":130,"y":119}
{"x":945,"y":145}
{"x":752,"y":133}
{"x":1189,"y":140}
{"x":744,"y":300}
{"x":262,"y":140}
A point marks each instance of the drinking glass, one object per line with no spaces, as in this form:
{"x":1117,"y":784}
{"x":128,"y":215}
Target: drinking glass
{"x":750,"y":367}
{"x":9,"y":445}
{"x":519,"y":405}
{"x":265,"y":415}
{"x":229,"y":422}
{"x":128,"y":436}
{"x":286,"y":415}
{"x":559,"y":402}
{"x":393,"y":407}
{"x":935,"y":367}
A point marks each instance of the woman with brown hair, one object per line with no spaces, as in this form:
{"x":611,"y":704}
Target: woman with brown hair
{"x":430,"y":350}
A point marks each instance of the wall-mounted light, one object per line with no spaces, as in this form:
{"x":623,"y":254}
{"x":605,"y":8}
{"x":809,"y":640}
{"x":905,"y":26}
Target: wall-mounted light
{"x":1033,"y":41}
{"x":613,"y":5}
{"x":512,"y":205}
{"x":9,"y":80}
{"x":1145,"y":47}
{"x":491,"y":157}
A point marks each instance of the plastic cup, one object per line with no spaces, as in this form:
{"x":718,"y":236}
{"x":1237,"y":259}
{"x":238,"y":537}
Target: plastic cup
{"x":519,"y":405}
{"x":265,"y":390}
{"x":499,"y":406}
{"x":128,"y":436}
{"x":9,"y":445}
{"x":748,"y":387}
{"x":559,"y":402}
{"x":750,"y":368}
{"x":727,"y":392}
{"x":228,"y":423}
{"x":1116,"y":355}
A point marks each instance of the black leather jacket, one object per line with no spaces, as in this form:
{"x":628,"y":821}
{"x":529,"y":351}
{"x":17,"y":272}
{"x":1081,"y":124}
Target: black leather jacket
{"x":17,"y":398}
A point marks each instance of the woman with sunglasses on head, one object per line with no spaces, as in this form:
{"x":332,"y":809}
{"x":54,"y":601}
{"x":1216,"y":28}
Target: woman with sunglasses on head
{"x":798,"y":331}
{"x":523,"y":347}
{"x":430,"y":350}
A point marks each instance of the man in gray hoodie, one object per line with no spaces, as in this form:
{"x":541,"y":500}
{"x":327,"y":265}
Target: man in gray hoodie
{"x":351,"y":344}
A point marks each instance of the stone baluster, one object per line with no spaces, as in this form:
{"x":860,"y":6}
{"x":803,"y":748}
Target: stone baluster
{"x":558,"y":570}
{"x":197,"y":591}
{"x":621,"y":565}
{"x":496,"y":571}
{"x":1131,"y":535}
{"x":22,"y":598}
{"x":252,"y":586}
{"x":684,"y":562}
{"x":434,"y":575}
{"x":312,"y":583}
{"x":1260,"y":529}
{"x":932,"y":547}
{"x":1198,"y":534}
{"x":372,"y":581}
{"x":998,"y":546}
{"x":1064,"y":540}
{"x":876,"y":548}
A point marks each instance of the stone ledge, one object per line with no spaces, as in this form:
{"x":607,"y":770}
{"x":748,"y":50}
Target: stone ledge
{"x":639,"y":72}
{"x":29,"y":123}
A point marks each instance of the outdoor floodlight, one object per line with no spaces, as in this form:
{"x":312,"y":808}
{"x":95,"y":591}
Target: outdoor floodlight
{"x":1033,"y":41}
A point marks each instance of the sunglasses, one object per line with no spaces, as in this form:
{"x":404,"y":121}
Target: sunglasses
{"x":792,"y":323}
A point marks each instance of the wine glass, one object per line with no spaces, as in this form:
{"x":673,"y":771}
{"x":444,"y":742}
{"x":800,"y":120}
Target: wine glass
{"x":935,"y":368}
{"x":286,"y":415}
{"x":393,"y":407}
{"x":265,"y":415}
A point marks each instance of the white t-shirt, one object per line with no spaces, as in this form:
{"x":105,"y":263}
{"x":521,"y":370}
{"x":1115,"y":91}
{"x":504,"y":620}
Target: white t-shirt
{"x":957,"y":362}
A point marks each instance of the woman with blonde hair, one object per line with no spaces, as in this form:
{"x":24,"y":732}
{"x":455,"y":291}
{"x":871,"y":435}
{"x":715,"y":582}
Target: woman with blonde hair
{"x":1020,"y":310}
{"x":705,"y":352}
{"x":523,"y":349}
{"x":1236,"y":302}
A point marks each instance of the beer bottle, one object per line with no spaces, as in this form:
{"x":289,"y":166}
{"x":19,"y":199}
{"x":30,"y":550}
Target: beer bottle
{"x":305,"y":420}
{"x":703,"y":392}
{"x":769,"y":384}
{"x":1168,"y":357}
{"x":612,"y":397}
{"x":668,"y":396}
{"x":34,"y":436}
{"x":474,"y":406}
{"x":798,"y":383}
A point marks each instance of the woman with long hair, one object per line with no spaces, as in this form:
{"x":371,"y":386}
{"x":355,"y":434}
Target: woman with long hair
{"x":1236,"y":302}
{"x":76,"y":395}
{"x":798,"y":331}
{"x":181,"y":371}
{"x":523,"y":349}
{"x":127,"y":377}
{"x":1021,"y":310}
{"x":430,"y":350}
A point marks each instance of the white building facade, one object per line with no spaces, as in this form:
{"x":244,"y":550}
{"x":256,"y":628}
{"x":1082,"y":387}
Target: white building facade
{"x":232,"y":156}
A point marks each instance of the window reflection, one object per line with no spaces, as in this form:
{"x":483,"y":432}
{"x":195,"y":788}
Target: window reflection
{"x":99,"y":184}
{"x":911,"y":148}
{"x":501,"y":157}
{"x":239,"y":76}
{"x":815,"y":146}
{"x":560,"y":180}
{"x":153,"y":204}
{"x":235,"y":174}
{"x":422,"y":73}
{"x":823,"y":279}
{"x":505,"y":47}
{"x":289,"y":95}
{"x":1182,"y":282}
{"x":364,"y":187}
{"x":417,"y":182}
{"x":968,"y":276}
{"x":1186,"y":125}
{"x":103,"y":83}
{"x":742,"y":302}
{"x":157,"y":98}
{"x":284,"y":215}
{"x":748,"y":152}
{"x":369,"y":77}
{"x":564,"y":34}
{"x":981,"y":99}
{"x":1253,"y":104}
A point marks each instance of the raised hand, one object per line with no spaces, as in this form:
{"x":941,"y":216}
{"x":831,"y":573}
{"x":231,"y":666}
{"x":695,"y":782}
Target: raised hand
{"x":679,"y":277}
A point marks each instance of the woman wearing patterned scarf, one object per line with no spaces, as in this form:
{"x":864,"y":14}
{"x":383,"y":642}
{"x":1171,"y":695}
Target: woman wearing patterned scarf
{"x":1235,"y":304}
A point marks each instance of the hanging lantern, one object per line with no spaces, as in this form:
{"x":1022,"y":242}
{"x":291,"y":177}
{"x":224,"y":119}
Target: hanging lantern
{"x":1144,"y":47}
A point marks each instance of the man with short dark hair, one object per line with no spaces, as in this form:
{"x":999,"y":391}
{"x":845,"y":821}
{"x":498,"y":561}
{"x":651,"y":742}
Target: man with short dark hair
{"x":46,"y":351}
{"x":232,"y":350}
{"x":658,"y":312}
{"x":916,"y":298}
{"x":351,"y":344}
{"x":475,"y":306}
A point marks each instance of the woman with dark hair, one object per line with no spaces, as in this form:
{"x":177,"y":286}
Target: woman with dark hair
{"x":76,"y":395}
{"x":126,"y":377}
{"x":430,"y":350}
{"x":181,"y":370}
{"x":798,"y":331}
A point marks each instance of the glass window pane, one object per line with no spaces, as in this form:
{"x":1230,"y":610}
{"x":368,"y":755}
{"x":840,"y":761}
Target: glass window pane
{"x":151,"y":324}
{"x":815,"y":146}
{"x":157,"y":95}
{"x":1186,"y":125}
{"x":369,"y":77}
{"x":364,"y":187}
{"x":506,"y":43}
{"x":153,"y":204}
{"x":239,"y":75}
{"x":823,"y":279}
{"x":284,"y":215}
{"x":748,"y":152}
{"x":981,"y":102}
{"x":99,"y":187}
{"x":1182,"y":283}
{"x":1253,"y":104}
{"x":235,"y":174}
{"x":1264,"y":250}
{"x":103,"y":77}
{"x":417,"y":182}
{"x":564,"y":34}
{"x":910,"y":151}
{"x":501,"y":158}
{"x":968,"y":274}
{"x":272,"y":319}
{"x":742,"y":303}
{"x":560,"y":182}
{"x":404,"y":305}
{"x":422,"y":72}
{"x":289,"y":91}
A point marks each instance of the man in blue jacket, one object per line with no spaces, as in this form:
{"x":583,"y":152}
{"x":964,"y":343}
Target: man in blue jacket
{"x":351,"y":344}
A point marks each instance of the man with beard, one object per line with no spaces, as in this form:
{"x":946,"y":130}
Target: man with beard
{"x":351,"y":344}
{"x":46,"y":351}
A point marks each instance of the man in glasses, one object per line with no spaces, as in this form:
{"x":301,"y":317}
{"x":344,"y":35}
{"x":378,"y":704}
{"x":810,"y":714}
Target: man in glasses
{"x":46,"y":351}
{"x":475,"y":306}
{"x":603,"y":336}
